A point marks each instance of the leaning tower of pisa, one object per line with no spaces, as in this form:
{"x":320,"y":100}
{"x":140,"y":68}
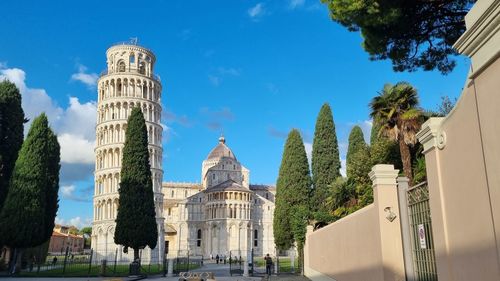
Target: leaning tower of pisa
{"x":128,"y":82}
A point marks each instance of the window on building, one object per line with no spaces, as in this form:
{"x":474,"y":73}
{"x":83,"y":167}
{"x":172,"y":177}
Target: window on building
{"x":267,"y":195}
{"x":172,"y":194}
{"x":169,"y":211}
{"x":213,"y":176}
{"x":121,"y":66}
{"x":132,"y":58}
{"x":198,"y":238}
{"x":186,"y":193}
{"x":255,"y":238}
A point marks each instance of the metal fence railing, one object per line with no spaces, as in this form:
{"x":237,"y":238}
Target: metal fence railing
{"x":112,"y":264}
{"x":424,"y":259}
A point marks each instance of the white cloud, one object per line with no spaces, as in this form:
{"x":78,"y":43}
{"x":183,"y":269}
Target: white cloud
{"x":67,"y":191}
{"x":74,"y":125}
{"x":76,"y":149}
{"x":76,"y":221}
{"x":89,"y":79}
{"x":34,"y":101}
{"x":293,"y":4}
{"x":256,"y":11}
{"x":79,"y":119}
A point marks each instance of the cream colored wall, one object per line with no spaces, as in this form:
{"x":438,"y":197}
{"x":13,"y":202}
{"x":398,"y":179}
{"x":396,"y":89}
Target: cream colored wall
{"x":348,"y":249}
{"x":462,"y":154}
{"x":364,"y":245}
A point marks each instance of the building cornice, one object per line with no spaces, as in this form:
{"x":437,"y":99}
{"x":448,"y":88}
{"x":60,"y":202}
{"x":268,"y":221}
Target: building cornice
{"x":481,"y":39}
{"x":431,"y":135}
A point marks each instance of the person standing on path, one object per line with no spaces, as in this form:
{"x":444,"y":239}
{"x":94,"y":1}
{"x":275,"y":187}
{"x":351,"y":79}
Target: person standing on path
{"x":217,"y":259}
{"x":269,"y":264}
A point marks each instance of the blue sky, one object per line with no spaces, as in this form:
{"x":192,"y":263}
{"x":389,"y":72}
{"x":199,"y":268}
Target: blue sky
{"x":250,"y":69}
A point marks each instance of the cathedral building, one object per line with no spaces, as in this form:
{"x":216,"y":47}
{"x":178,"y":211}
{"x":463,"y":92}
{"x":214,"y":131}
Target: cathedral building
{"x":222,"y":215}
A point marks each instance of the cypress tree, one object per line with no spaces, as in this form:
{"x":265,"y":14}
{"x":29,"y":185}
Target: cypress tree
{"x":325,"y":163}
{"x":11,"y":133}
{"x":27,"y":217}
{"x":53,"y":167}
{"x":356,"y":142}
{"x":292,"y":189}
{"x":136,"y":223}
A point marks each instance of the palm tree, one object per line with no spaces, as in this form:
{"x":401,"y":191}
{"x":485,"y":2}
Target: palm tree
{"x":396,"y":110}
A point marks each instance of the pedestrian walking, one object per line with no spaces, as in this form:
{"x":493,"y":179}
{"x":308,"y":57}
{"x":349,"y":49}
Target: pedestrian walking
{"x":217,"y":259}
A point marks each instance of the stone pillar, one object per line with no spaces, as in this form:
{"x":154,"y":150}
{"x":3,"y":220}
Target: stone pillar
{"x":405,"y":228}
{"x":310,"y":230}
{"x":245,"y":264}
{"x":385,"y":195}
{"x":170,"y":269}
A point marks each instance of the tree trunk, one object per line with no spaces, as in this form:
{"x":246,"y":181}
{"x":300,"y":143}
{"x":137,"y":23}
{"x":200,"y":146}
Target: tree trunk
{"x":406,"y":159}
{"x":136,"y":254}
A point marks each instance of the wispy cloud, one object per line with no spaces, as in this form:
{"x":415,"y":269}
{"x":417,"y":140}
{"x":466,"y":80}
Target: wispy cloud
{"x":272,"y":88}
{"x":216,"y":118}
{"x":215,"y":80}
{"x":217,"y":76}
{"x":257,"y":11}
{"x":89,"y":79}
{"x":70,"y":192}
{"x":294,"y":4}
{"x":185,"y":34}
{"x":273,"y":132}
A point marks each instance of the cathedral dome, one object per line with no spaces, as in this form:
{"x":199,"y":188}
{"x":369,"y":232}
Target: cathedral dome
{"x":221,"y":150}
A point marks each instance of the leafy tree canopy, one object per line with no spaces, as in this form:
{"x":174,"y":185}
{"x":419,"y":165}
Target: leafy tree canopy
{"x":413,"y":34}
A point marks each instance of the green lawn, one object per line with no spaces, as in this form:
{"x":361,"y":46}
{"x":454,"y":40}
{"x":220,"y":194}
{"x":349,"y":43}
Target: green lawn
{"x":285,"y":264}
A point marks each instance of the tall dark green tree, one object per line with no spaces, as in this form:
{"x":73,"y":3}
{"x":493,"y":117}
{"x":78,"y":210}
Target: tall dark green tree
{"x":292,"y":189}
{"x":325,"y":163}
{"x":31,"y":203}
{"x":412,"y":34}
{"x":292,"y":194}
{"x":356,"y":144}
{"x":358,"y":165}
{"x":11,"y":133}
{"x":52,"y":186}
{"x":135,"y":222}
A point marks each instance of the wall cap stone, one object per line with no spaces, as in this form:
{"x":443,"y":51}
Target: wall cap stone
{"x":383,"y":174}
{"x":431,"y":135}
{"x":481,"y":40}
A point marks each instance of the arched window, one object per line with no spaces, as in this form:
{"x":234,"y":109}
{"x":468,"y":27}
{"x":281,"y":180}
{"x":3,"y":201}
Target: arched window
{"x":121,"y":66}
{"x":142,"y":68}
{"x":132,"y":58}
{"x":267,"y":195}
{"x":198,"y":238}
{"x":255,"y":238}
